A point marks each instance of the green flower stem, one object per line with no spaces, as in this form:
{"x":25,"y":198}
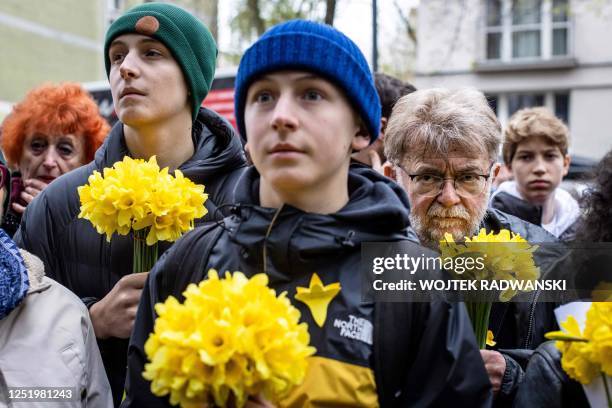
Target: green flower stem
{"x":605,"y":382}
{"x":479,"y":315}
{"x":145,"y":255}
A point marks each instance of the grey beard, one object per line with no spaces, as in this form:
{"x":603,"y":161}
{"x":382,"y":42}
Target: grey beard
{"x":430,"y":237}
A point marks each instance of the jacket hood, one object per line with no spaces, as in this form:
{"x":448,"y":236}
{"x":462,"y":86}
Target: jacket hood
{"x":36,"y":272}
{"x":377,"y":210}
{"x":513,"y":205}
{"x":217,"y":148}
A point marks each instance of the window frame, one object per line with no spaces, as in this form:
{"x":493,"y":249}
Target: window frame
{"x":507,"y":30}
{"x":502,"y":102}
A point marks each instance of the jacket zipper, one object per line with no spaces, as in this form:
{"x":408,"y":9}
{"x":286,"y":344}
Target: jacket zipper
{"x":531,"y":319}
{"x":265,"y":244}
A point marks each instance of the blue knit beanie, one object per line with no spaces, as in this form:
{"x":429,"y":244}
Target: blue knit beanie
{"x":14,"y":282}
{"x":313,"y":47}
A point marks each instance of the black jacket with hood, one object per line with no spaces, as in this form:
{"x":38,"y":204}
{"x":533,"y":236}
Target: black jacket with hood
{"x":79,"y":258}
{"x":524,"y":210}
{"x":519,"y":326}
{"x":416,"y":354}
{"x":546,"y":384}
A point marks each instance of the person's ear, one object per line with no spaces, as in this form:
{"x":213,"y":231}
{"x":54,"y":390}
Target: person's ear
{"x":362,"y":138}
{"x":566,"y":163}
{"x":383,"y":126}
{"x":496,"y":169}
{"x":389,"y":171}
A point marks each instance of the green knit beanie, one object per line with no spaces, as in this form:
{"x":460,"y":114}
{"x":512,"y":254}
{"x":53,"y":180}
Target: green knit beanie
{"x":187,"y":38}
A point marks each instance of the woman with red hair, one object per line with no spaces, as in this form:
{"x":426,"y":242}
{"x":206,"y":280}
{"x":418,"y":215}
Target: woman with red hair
{"x":55,"y":129}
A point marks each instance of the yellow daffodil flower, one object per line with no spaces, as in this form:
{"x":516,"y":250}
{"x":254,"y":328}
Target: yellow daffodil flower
{"x":506,"y":255}
{"x":586,"y":355}
{"x":490,"y":341}
{"x":231,"y":336}
{"x":136,"y":195}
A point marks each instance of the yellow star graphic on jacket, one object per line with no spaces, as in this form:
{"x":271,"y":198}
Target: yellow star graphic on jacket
{"x":317,"y":297}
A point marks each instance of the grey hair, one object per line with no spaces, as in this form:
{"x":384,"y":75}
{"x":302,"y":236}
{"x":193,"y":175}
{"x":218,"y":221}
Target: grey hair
{"x":439,"y":121}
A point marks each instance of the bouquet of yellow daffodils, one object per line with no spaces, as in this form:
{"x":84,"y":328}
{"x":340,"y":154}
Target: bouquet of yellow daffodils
{"x":135,"y":195}
{"x":587,"y":355}
{"x":231,"y":338}
{"x":505,"y":255}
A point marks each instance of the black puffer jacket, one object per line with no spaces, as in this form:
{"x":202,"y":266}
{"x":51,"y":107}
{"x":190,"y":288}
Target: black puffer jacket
{"x":79,"y":258}
{"x":519,"y":327}
{"x":421,"y":354}
{"x":546,"y":385}
{"x":526,"y":211}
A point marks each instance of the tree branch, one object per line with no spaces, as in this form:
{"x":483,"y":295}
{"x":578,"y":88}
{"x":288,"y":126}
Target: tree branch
{"x":406,"y":21}
{"x":330,"y":12}
{"x":256,"y":19}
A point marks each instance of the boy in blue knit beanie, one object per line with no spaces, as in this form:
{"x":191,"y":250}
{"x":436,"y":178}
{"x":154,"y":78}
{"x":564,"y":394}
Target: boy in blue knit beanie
{"x":305,"y":99}
{"x":302,"y":45}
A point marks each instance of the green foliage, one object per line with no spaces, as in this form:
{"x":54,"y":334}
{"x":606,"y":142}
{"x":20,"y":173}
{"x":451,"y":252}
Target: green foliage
{"x":253,"y":17}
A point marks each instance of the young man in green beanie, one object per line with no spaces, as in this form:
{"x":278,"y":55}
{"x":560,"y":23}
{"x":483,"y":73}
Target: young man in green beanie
{"x":305,"y":100}
{"x":160,"y":62}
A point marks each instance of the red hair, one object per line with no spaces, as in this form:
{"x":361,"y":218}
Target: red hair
{"x":54,"y":110}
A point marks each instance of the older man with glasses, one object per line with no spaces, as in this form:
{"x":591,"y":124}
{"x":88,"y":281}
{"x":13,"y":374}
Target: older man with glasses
{"x":450,"y":207}
{"x":441,"y":146}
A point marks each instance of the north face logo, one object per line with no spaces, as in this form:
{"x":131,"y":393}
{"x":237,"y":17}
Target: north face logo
{"x":355,"y":328}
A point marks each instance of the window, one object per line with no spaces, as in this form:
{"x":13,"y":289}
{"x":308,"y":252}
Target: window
{"x":519,"y":101}
{"x":492,"y":99}
{"x":494,"y":29}
{"x":506,"y":104}
{"x":560,"y":27}
{"x":526,"y":29}
{"x":562,"y":106}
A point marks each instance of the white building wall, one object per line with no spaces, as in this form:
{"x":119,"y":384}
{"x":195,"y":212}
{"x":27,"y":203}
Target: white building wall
{"x":523,"y":81}
{"x":451,"y":36}
{"x":591,"y":120}
{"x":448,"y":35}
{"x":593,"y":31}
{"x":451,"y":43}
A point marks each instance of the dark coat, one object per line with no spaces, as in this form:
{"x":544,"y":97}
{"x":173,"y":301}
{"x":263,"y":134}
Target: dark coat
{"x":546,"y":384}
{"x":79,"y":258}
{"x":421,"y":354}
{"x":519,"y":327}
{"x":526,"y":211}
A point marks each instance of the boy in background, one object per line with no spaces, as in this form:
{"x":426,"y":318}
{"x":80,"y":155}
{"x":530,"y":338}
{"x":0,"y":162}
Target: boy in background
{"x":535,"y":151}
